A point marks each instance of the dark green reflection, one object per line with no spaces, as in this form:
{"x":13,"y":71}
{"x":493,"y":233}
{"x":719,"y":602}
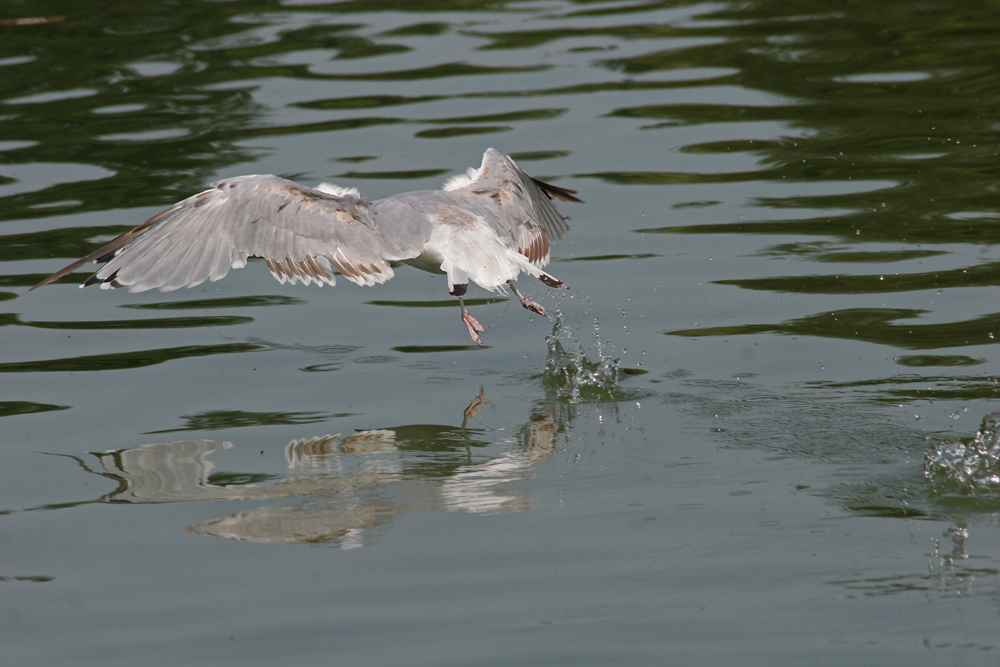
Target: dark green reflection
{"x":9,"y":408}
{"x":221,"y":302}
{"x":973,"y":276}
{"x":510,"y":117}
{"x":461,"y":131}
{"x":323,"y":126}
{"x":873,"y":325}
{"x":238,"y":478}
{"x":603,"y":258}
{"x":423,"y":29}
{"x":911,"y":387}
{"x":886,"y":512}
{"x":123,"y":360}
{"x":425,"y":349}
{"x":162,"y":323}
{"x":529,"y":156}
{"x":439,"y":71}
{"x":366,"y":102}
{"x":434,"y":304}
{"x":821,"y":251}
{"x":214,"y":420}
{"x":438,"y":450}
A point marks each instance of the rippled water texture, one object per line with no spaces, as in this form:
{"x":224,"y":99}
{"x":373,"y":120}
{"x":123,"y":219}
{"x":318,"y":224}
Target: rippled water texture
{"x":758,"y":427}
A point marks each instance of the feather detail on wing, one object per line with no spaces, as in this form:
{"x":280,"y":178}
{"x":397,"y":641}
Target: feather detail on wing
{"x":533,"y":243}
{"x":303,"y":234}
{"x":519,"y":197}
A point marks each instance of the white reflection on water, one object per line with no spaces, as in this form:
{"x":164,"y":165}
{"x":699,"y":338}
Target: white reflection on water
{"x":348,"y":485}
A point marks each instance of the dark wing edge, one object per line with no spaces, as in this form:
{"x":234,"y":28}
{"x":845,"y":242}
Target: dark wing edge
{"x":105,"y":252}
{"x":541,"y":194}
{"x":555,"y":192}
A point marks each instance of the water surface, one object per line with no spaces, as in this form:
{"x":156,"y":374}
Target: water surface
{"x":760,"y":425}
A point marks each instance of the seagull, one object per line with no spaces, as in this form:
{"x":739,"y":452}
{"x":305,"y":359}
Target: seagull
{"x":486,"y":226}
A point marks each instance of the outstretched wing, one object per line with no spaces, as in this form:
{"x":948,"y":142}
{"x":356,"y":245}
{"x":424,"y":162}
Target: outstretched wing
{"x":302,"y":233}
{"x":521,"y":202}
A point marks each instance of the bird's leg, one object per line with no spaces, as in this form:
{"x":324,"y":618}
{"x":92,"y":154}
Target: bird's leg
{"x":470,"y":321}
{"x":530,"y":305}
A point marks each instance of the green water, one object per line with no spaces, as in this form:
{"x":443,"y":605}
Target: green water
{"x":759,"y":427}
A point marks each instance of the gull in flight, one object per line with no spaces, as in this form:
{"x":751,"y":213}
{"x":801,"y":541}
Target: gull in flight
{"x":486,"y":226}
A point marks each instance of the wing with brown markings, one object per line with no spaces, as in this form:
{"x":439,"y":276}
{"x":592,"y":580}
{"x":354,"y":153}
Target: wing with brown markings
{"x":303,"y":234}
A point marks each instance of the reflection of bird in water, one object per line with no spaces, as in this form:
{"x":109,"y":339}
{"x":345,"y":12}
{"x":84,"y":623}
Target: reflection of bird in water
{"x":477,"y":404}
{"x":345,"y":485}
{"x":487,"y":226}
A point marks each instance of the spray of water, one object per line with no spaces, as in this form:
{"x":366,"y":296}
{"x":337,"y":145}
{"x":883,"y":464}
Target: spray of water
{"x":571,"y":376}
{"x":968,"y":467}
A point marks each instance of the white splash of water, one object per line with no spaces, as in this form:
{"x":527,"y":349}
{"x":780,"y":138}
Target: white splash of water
{"x":971,"y":467}
{"x":572,"y":376}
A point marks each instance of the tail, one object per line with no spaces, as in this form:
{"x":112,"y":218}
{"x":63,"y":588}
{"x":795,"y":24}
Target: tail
{"x":549,"y":280}
{"x":525,"y":265}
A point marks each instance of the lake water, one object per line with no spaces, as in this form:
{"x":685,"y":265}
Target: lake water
{"x":760,"y":426}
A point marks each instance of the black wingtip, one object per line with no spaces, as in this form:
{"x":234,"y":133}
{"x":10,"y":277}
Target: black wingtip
{"x":106,"y":252}
{"x":555,"y":192}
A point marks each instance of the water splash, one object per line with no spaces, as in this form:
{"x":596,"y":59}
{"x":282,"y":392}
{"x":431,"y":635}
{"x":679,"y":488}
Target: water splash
{"x":572,"y":377}
{"x":969,"y":467}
